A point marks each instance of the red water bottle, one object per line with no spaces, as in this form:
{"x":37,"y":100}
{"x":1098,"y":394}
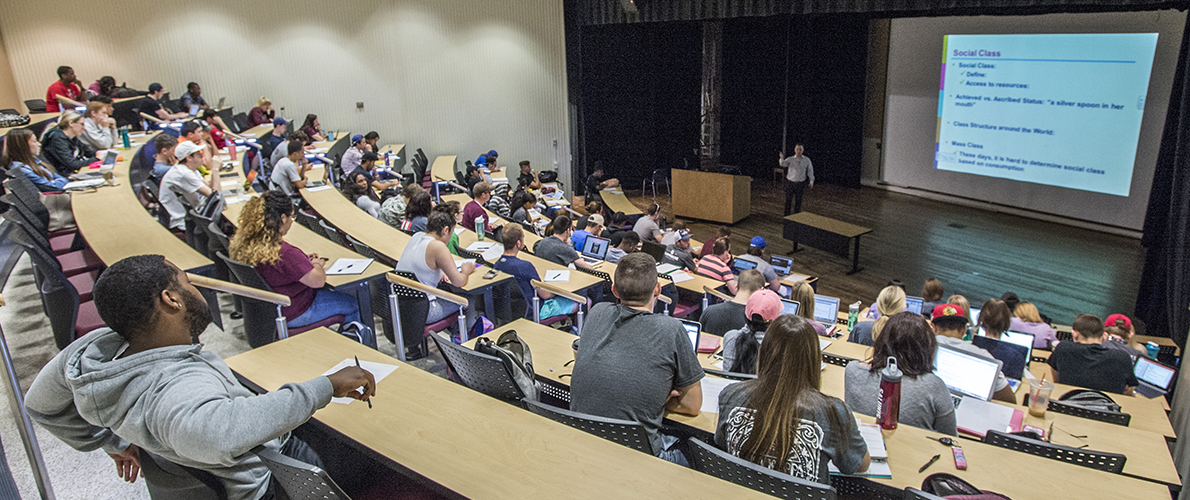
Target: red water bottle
{"x":888,"y":408}
{"x":231,"y":150}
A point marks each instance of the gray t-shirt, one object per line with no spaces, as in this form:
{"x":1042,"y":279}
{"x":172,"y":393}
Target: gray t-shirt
{"x":925,"y":400}
{"x":679,"y":257}
{"x":285,"y":173}
{"x":814,"y":444}
{"x":722,"y":318}
{"x":555,"y":250}
{"x":761,"y":265}
{"x":627,"y":363}
{"x":647,"y":228}
{"x":967,"y":347}
{"x":280,"y":152}
{"x":862,"y":333}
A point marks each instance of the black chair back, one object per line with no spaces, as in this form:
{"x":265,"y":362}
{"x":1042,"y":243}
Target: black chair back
{"x":1057,"y":406}
{"x":711,"y":460}
{"x":415,"y":309}
{"x":656,"y":250}
{"x":626,"y":432}
{"x":479,"y":371}
{"x":241,"y":122}
{"x":229,"y":120}
{"x":1110,"y":462}
{"x":165,"y":479}
{"x":259,"y":316}
{"x":35,"y":105}
{"x":300,"y":480}
{"x":332,"y":233}
{"x":309,"y":221}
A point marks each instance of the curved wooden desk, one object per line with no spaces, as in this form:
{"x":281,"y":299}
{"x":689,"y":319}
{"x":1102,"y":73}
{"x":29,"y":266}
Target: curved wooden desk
{"x":443,"y":168}
{"x":615,"y":201}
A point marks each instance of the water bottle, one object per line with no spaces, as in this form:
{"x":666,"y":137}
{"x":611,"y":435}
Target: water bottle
{"x":1151,"y":349}
{"x":479,"y":229}
{"x":124,"y":137}
{"x":888,"y":408}
{"x":231,"y":150}
{"x":386,"y":162}
{"x":852,"y":315}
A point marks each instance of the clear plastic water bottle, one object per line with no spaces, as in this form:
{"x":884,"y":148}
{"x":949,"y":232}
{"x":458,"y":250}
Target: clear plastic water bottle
{"x":852,"y":315}
{"x":479,"y":229}
{"x":888,"y":408}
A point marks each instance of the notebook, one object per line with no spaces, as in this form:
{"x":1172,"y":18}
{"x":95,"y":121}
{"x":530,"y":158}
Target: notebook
{"x":1155,"y":378}
{"x":693,"y":329}
{"x":878,"y":468}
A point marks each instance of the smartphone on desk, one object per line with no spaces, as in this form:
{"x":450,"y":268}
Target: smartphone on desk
{"x":490,"y":274}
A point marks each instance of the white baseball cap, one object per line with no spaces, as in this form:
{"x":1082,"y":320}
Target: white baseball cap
{"x":186,"y":148}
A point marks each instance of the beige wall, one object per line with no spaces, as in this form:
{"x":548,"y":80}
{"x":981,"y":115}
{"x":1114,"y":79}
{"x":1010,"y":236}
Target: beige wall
{"x":449,"y":76}
{"x":8,"y":85}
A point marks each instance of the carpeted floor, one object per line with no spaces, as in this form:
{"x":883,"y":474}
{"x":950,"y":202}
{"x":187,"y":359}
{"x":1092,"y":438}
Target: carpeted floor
{"x":74,"y":474}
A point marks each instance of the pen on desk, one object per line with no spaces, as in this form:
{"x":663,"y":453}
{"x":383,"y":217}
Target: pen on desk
{"x":370,"y":401}
{"x":928,"y":464}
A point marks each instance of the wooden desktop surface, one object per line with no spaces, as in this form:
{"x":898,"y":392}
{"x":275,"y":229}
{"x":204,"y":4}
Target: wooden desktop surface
{"x":827,"y":224}
{"x":443,"y":168}
{"x":578,"y":280}
{"x":116,"y":225}
{"x":615,"y":201}
{"x":463,"y":440}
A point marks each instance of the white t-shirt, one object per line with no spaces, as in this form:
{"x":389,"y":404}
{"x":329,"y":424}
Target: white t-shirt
{"x":179,"y":181}
{"x":285,"y":173}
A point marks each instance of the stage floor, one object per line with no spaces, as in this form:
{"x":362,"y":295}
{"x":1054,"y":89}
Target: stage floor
{"x":979,"y":254}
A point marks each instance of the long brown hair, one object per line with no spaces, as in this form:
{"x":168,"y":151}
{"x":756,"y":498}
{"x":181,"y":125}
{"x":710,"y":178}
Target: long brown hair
{"x":258,"y":234}
{"x":788,"y":381}
{"x":909,"y":339}
{"x":16,"y":148}
{"x":995,"y":318}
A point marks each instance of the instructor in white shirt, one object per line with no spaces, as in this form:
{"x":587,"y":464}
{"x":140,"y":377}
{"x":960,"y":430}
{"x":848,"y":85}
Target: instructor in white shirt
{"x":798,"y":171}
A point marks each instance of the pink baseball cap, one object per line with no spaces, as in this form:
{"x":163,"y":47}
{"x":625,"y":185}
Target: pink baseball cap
{"x":1111,"y":320}
{"x":766,"y":303}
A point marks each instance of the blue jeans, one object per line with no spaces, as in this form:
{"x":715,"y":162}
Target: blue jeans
{"x":327,"y":303}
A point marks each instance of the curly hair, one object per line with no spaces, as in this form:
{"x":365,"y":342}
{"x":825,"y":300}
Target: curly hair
{"x":258,"y":233}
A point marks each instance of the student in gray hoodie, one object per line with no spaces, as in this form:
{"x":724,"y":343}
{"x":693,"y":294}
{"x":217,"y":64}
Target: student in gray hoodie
{"x":146,"y":383}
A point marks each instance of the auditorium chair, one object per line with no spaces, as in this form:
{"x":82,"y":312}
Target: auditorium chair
{"x":478,"y":371}
{"x":260,"y":317}
{"x":35,"y":106}
{"x":625,"y":432}
{"x":413,"y":310}
{"x":711,"y":460}
{"x":70,"y":316}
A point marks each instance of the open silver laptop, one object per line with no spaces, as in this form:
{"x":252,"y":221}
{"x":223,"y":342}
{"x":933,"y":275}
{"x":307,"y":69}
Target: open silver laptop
{"x":913,"y":304}
{"x":965,"y":374}
{"x":1155,"y":378}
{"x":826,"y":312}
{"x":595,"y":249}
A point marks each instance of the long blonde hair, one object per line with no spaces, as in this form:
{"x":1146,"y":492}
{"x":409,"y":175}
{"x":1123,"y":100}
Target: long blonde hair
{"x":263,"y":101}
{"x":258,"y":233}
{"x":804,"y":294}
{"x":1027,"y":312}
{"x":961,"y":301}
{"x":890,"y":301}
{"x":68,"y":117}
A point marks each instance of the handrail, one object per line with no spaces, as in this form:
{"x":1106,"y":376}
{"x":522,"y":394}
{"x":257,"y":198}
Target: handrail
{"x":665,"y":299}
{"x":716,"y":293}
{"x":558,"y":291}
{"x":151,"y":118}
{"x":428,"y":290}
{"x":237,"y":289}
{"x":68,"y":102}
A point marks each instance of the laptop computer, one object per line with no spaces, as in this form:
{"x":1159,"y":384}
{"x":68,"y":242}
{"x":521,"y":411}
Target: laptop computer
{"x":913,"y":304}
{"x":782,"y":265}
{"x":595,"y":249}
{"x":194,"y":109}
{"x":1014,"y":358}
{"x":693,"y":329}
{"x":826,"y":312}
{"x":971,"y":380}
{"x":1155,"y":378}
{"x":975,"y":315}
{"x":740,"y":265}
{"x":1021,"y":339}
{"x":789,"y":307}
{"x":221,"y":101}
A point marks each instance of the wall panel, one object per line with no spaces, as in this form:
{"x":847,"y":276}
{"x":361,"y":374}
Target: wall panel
{"x":449,"y":76}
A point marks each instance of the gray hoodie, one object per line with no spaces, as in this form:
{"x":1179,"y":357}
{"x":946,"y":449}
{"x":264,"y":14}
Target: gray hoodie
{"x":180,"y":403}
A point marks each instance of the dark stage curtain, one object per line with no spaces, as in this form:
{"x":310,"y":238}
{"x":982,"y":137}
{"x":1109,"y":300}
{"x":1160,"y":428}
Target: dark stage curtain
{"x":1165,"y":282}
{"x":592,"y":12}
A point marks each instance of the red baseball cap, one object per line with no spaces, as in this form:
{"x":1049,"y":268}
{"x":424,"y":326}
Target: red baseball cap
{"x":942,"y":310}
{"x":1111,"y":320}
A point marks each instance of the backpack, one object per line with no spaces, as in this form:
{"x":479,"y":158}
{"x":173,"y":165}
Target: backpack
{"x":547,"y":176}
{"x":359,"y":333}
{"x":954,"y":487}
{"x":1090,"y":400}
{"x":517,"y":358}
{"x":13,"y":120}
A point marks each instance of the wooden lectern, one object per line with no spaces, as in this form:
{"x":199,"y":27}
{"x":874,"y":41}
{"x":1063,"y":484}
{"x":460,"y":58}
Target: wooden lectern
{"x":711,"y":196}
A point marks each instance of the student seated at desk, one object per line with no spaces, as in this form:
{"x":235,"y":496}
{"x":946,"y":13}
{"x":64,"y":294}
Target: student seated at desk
{"x":523,"y":201}
{"x":360,"y":192}
{"x":354,"y":154}
{"x":514,"y":240}
{"x":67,"y":85}
{"x":451,"y":208}
{"x":215,"y":128}
{"x":670,"y":235}
{"x":151,"y":105}
{"x":497,"y":204}
{"x":715,"y":266}
{"x":890,"y":301}
{"x":193,"y":96}
{"x":20,"y":158}
{"x":1086,"y":362}
{"x":474,"y":208}
{"x":724,"y":233}
{"x":1027,"y":319}
{"x":995,"y":318}
{"x":803,"y":294}
{"x":718,"y":319}
{"x":259,"y":242}
{"x":616,"y":229}
{"x":282,"y":148}
{"x":634,"y":365}
{"x":755,"y":254}
{"x":678,"y":253}
{"x":781,"y":420}
{"x":312,"y":128}
{"x":594,"y":227}
{"x":99,"y":128}
{"x":740,"y":346}
{"x":61,"y":146}
{"x":962,"y":302}
{"x":629,"y":243}
{"x":528,"y":178}
{"x":1119,"y":332}
{"x":931,"y":295}
{"x":950,"y":325}
{"x":367,"y":167}
{"x":647,"y":227}
{"x":925,"y":400}
{"x":183,"y":181}
{"x":164,"y":159}
{"x":556,"y":247}
{"x":148,"y":381}
{"x":596,"y":182}
{"x":427,"y":257}
{"x":417,"y":213}
{"x":287,"y":175}
{"x":392,"y":209}
{"x":262,"y":113}
{"x":269,"y":142}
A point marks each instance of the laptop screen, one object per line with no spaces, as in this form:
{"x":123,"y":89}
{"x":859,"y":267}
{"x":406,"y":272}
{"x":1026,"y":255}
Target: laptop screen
{"x":595,"y":247}
{"x":193,"y":110}
{"x":1153,"y":372}
{"x":790,"y":307}
{"x":742,"y":265}
{"x":826,"y":309}
{"x":913,"y":304}
{"x":110,"y":159}
{"x":975,"y":315}
{"x":781,"y":265}
{"x":1019,"y":338}
{"x":692,"y":329}
{"x":965,"y":374}
{"x":1012,"y":356}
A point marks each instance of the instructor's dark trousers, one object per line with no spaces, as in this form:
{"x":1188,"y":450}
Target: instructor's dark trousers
{"x":794,"y":192}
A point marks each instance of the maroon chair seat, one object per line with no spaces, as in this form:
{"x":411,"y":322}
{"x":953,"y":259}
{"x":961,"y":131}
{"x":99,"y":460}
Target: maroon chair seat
{"x":62,"y":244}
{"x":333,"y":320}
{"x":88,"y":320}
{"x":63,"y":232}
{"x":84,"y":283}
{"x":79,"y":262}
{"x":554,"y":319}
{"x":682,"y":310}
{"x":441,"y":324}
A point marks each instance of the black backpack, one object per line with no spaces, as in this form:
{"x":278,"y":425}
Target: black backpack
{"x":953,"y":487}
{"x":1090,"y":400}
{"x":516,"y":356}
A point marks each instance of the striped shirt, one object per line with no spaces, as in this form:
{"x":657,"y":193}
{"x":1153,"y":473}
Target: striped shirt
{"x":711,"y":267}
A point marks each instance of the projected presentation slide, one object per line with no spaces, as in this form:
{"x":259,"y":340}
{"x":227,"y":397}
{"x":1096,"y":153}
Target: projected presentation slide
{"x":1059,"y":110}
